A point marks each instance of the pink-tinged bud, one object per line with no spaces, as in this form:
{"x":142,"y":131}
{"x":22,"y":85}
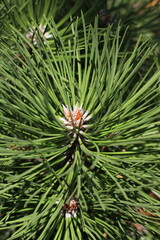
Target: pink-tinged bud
{"x":75,"y":118}
{"x":41,"y":30}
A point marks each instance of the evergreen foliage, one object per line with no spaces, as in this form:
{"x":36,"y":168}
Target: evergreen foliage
{"x":79,"y":125}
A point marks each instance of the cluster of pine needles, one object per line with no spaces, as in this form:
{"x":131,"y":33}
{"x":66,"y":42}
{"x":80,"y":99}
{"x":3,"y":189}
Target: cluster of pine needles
{"x":79,"y":120}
